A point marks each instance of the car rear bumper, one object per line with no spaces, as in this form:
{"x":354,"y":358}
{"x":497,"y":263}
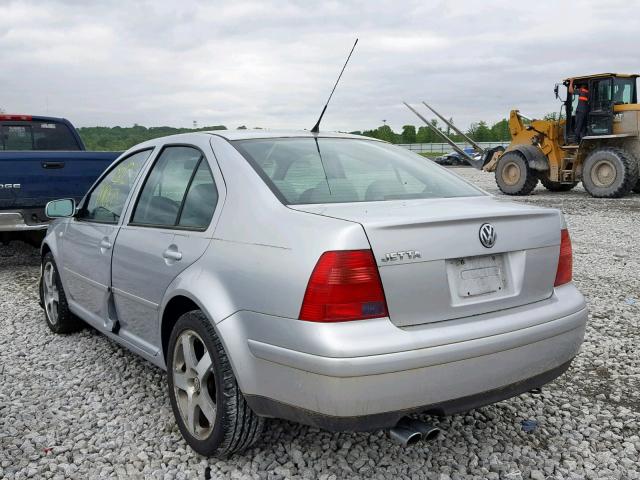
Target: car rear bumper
{"x":367,"y":374}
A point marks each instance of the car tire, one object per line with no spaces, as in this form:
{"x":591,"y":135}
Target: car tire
{"x":54,"y":300}
{"x":556,"y":186}
{"x":211,"y":412}
{"x":609,"y":173}
{"x":513,"y":175}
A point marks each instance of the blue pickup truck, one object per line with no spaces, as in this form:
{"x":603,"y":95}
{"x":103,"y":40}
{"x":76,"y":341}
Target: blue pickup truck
{"x":41,"y":159}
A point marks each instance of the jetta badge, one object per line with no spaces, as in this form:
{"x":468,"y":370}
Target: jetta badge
{"x":405,"y":255}
{"x":487,"y":235}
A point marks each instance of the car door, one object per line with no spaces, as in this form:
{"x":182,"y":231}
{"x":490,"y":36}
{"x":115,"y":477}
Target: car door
{"x":165,"y":234}
{"x":89,"y":237}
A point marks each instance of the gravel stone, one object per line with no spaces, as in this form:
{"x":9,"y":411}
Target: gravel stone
{"x":80,"y":406}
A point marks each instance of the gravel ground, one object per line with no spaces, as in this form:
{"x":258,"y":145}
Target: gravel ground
{"x":80,"y":406}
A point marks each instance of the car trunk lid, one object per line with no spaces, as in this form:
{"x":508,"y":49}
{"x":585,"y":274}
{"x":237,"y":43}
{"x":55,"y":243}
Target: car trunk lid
{"x":433,"y":265}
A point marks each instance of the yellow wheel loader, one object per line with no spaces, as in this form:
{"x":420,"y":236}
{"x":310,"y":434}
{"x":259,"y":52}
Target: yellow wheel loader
{"x":606,"y":159}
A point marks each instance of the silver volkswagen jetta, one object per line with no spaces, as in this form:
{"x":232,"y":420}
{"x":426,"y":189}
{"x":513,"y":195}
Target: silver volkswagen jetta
{"x":329,"y":279}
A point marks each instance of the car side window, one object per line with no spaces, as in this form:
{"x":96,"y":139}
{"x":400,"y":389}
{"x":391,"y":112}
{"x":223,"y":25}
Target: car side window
{"x":179,"y":191}
{"x":107,"y":200}
{"x":201,"y":199}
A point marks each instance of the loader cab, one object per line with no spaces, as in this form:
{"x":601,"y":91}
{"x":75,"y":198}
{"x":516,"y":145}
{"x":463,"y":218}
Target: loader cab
{"x":605,"y":92}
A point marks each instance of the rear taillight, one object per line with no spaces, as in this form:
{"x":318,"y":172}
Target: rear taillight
{"x":565,"y":261}
{"x":344,"y":285}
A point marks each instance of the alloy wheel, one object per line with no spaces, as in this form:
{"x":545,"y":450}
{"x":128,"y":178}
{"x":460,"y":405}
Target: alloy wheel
{"x":51,"y":296}
{"x":194,"y":384}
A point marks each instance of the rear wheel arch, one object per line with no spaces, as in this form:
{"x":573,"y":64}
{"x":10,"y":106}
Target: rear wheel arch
{"x":173,"y":310}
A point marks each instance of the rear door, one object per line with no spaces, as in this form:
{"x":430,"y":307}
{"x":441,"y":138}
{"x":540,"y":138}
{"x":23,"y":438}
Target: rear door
{"x":89,"y":237}
{"x":167,"y":231}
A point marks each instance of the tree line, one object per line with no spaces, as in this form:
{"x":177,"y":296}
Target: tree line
{"x":479,"y":131}
{"x":122,"y":138}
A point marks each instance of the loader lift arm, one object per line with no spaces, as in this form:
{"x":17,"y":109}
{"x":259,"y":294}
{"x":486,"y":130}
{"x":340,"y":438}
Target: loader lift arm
{"x":460,"y":151}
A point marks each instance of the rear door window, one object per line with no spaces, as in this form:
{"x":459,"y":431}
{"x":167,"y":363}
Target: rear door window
{"x":179,"y":191}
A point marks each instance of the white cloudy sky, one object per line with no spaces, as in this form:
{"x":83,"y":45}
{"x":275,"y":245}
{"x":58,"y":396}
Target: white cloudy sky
{"x":272,"y":64}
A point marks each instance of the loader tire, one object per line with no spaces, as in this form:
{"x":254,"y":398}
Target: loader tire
{"x":513,"y":175}
{"x":556,"y":186}
{"x":609,"y":172}
{"x":637,"y":187}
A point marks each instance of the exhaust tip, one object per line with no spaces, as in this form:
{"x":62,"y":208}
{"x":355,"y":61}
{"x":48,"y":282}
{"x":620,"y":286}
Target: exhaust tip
{"x":432,"y":434}
{"x":404,"y":436}
{"x":407,"y":428}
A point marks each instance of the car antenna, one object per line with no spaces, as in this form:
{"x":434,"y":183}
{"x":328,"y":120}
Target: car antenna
{"x":316,"y":127}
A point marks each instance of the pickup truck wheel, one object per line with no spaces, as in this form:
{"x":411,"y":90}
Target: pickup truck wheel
{"x":513,"y":175}
{"x":54,"y":301}
{"x":209,"y":407}
{"x":609,"y":173}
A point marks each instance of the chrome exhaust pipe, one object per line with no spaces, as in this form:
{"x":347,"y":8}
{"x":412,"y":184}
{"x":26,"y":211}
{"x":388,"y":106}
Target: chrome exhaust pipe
{"x":404,"y":436}
{"x":410,"y":430}
{"x":429,"y":432}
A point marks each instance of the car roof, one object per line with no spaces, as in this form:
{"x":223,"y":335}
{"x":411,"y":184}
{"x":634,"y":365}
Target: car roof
{"x":231,"y":135}
{"x":265,"y":133}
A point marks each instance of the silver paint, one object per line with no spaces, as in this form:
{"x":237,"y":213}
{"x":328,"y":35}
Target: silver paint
{"x":249,"y":269}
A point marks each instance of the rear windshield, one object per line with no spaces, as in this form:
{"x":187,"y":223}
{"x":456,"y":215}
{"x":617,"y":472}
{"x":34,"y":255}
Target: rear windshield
{"x":335,"y":170}
{"x":36,"y":136}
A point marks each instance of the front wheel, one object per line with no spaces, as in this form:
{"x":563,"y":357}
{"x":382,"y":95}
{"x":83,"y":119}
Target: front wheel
{"x":513,"y":175}
{"x":609,"y":173}
{"x":54,"y":300}
{"x":211,"y":412}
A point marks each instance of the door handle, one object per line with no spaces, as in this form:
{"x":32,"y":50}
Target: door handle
{"x":105,"y":244}
{"x":50,"y":165}
{"x":170,"y":254}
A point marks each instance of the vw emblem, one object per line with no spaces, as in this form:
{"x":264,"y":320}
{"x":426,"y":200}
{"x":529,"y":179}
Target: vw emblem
{"x":487,"y":235}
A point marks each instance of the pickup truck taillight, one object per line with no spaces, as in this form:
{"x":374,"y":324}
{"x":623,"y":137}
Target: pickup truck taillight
{"x":14,"y":117}
{"x":564,"y":274}
{"x":344,"y":285}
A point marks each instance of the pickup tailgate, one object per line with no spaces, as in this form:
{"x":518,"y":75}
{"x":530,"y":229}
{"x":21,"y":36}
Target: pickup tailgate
{"x":433,"y":266}
{"x":31,"y":179}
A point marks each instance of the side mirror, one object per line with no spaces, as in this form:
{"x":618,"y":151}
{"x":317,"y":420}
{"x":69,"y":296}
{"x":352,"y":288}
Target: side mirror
{"x":60,"y":208}
{"x":556,"y":89}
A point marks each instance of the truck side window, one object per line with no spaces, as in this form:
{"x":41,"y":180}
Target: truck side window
{"x":106,"y":201}
{"x":17,"y":137}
